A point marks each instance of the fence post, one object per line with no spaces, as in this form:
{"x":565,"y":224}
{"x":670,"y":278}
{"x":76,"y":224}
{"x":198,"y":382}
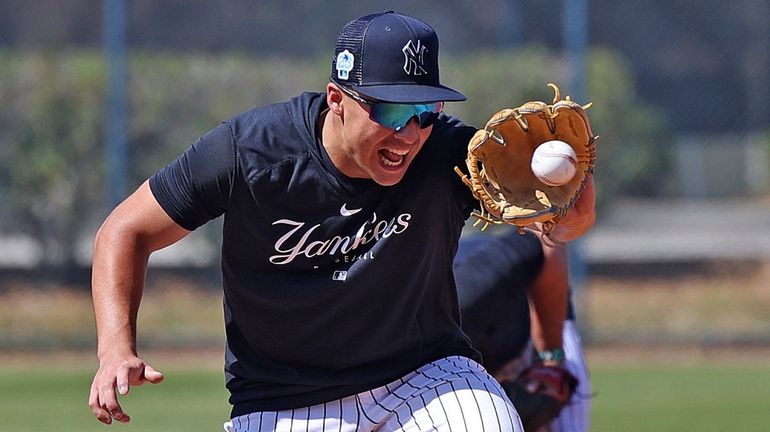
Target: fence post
{"x":116,"y":152}
{"x":575,"y":39}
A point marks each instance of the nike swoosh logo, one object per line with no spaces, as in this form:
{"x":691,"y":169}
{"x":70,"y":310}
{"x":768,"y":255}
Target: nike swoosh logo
{"x":345,"y":212}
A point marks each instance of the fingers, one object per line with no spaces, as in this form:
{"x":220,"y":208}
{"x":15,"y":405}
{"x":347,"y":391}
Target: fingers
{"x":581,"y":217}
{"x":587,"y":200}
{"x":130,"y":376}
{"x":152,"y":375}
{"x":99,"y":412}
{"x":104,"y":403}
{"x":123,"y":383}
{"x":115,"y":378}
{"x":109,"y":401}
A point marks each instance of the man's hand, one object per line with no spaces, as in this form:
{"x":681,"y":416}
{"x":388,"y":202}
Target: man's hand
{"x":580,"y":217}
{"x":540,"y":393}
{"x":118,"y":373}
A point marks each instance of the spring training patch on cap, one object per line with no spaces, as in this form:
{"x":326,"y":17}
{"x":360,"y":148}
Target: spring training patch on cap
{"x":345,"y":61}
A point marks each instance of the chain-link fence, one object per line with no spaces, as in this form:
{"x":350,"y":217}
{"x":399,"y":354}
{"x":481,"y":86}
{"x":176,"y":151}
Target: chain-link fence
{"x":680,"y":94}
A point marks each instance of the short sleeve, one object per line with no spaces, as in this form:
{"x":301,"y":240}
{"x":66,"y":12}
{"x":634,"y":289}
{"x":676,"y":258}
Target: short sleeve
{"x":453,"y":137}
{"x":195,"y":187}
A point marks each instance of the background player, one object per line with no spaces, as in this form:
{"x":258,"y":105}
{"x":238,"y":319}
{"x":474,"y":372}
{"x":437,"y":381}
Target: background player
{"x":504,"y":279}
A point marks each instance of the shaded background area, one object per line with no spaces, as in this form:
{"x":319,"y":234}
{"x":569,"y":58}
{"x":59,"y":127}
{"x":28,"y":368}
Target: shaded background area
{"x":672,"y":286}
{"x":680,"y":93}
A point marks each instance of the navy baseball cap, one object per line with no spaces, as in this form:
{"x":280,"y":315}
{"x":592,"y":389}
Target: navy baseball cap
{"x":390,"y":57}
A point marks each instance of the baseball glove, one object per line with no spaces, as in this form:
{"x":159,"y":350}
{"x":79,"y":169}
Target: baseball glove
{"x":499,"y":163}
{"x":540,"y":393}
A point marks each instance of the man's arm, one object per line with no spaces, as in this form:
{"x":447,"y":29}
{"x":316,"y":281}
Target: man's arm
{"x":122,"y":247}
{"x":542,"y":389}
{"x":549,"y":294}
{"x":548,"y":301}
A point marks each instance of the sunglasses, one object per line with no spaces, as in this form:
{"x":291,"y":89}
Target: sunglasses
{"x":396,"y":116}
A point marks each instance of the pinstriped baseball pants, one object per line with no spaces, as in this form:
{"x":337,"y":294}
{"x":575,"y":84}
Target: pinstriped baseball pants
{"x":453,"y":394}
{"x":576,"y":416}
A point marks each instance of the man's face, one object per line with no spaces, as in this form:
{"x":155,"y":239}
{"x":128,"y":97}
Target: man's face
{"x":370,"y":150}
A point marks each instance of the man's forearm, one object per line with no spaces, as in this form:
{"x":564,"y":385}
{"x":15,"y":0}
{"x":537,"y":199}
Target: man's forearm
{"x":548,"y":300}
{"x":119,"y":269}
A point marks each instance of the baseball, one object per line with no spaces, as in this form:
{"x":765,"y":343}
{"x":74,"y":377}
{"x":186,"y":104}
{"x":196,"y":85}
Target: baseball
{"x":554,"y":163}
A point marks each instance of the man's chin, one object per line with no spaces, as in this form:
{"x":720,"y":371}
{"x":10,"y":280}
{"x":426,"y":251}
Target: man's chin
{"x":388,"y":175}
{"x":388,"y":180}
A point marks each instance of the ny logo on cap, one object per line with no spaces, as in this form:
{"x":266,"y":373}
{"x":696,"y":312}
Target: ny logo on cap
{"x":413,"y":58}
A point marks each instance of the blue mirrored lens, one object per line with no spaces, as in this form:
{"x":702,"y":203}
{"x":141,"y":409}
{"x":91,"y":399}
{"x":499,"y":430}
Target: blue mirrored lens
{"x":396,"y":116}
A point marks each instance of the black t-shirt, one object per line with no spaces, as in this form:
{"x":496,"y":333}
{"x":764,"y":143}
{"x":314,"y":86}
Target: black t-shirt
{"x":494,"y":274}
{"x":494,"y":302}
{"x":332,"y":285}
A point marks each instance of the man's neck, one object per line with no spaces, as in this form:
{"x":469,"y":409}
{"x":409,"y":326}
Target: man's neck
{"x":330,"y":138}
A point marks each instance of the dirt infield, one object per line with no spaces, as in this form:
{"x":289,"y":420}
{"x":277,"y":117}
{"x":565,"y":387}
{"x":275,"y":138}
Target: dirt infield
{"x":683,"y":315}
{"x":211,"y":359}
{"x":720,"y":305}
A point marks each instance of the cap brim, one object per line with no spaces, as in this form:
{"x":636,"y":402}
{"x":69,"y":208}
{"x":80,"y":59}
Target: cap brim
{"x":408,"y":93}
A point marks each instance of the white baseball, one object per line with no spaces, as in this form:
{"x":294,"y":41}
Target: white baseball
{"x":554,"y":163}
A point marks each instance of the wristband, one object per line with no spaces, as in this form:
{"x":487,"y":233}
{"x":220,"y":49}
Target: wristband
{"x":555,"y":354}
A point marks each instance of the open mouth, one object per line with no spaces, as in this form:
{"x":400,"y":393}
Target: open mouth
{"x":392,"y":157}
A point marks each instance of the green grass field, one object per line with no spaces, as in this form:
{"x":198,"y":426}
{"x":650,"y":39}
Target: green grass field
{"x":47,"y":400}
{"x":702,"y":398}
{"x":680,"y":387}
{"x":713,"y":396}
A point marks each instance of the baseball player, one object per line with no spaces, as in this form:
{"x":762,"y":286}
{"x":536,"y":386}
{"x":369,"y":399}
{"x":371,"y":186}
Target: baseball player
{"x":495,"y":303}
{"x":342,"y":214}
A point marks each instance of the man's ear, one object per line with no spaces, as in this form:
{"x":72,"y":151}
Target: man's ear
{"x":334,"y":98}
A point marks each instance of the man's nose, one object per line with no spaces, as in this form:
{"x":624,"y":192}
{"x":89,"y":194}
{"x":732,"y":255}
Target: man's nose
{"x":410,"y":132}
